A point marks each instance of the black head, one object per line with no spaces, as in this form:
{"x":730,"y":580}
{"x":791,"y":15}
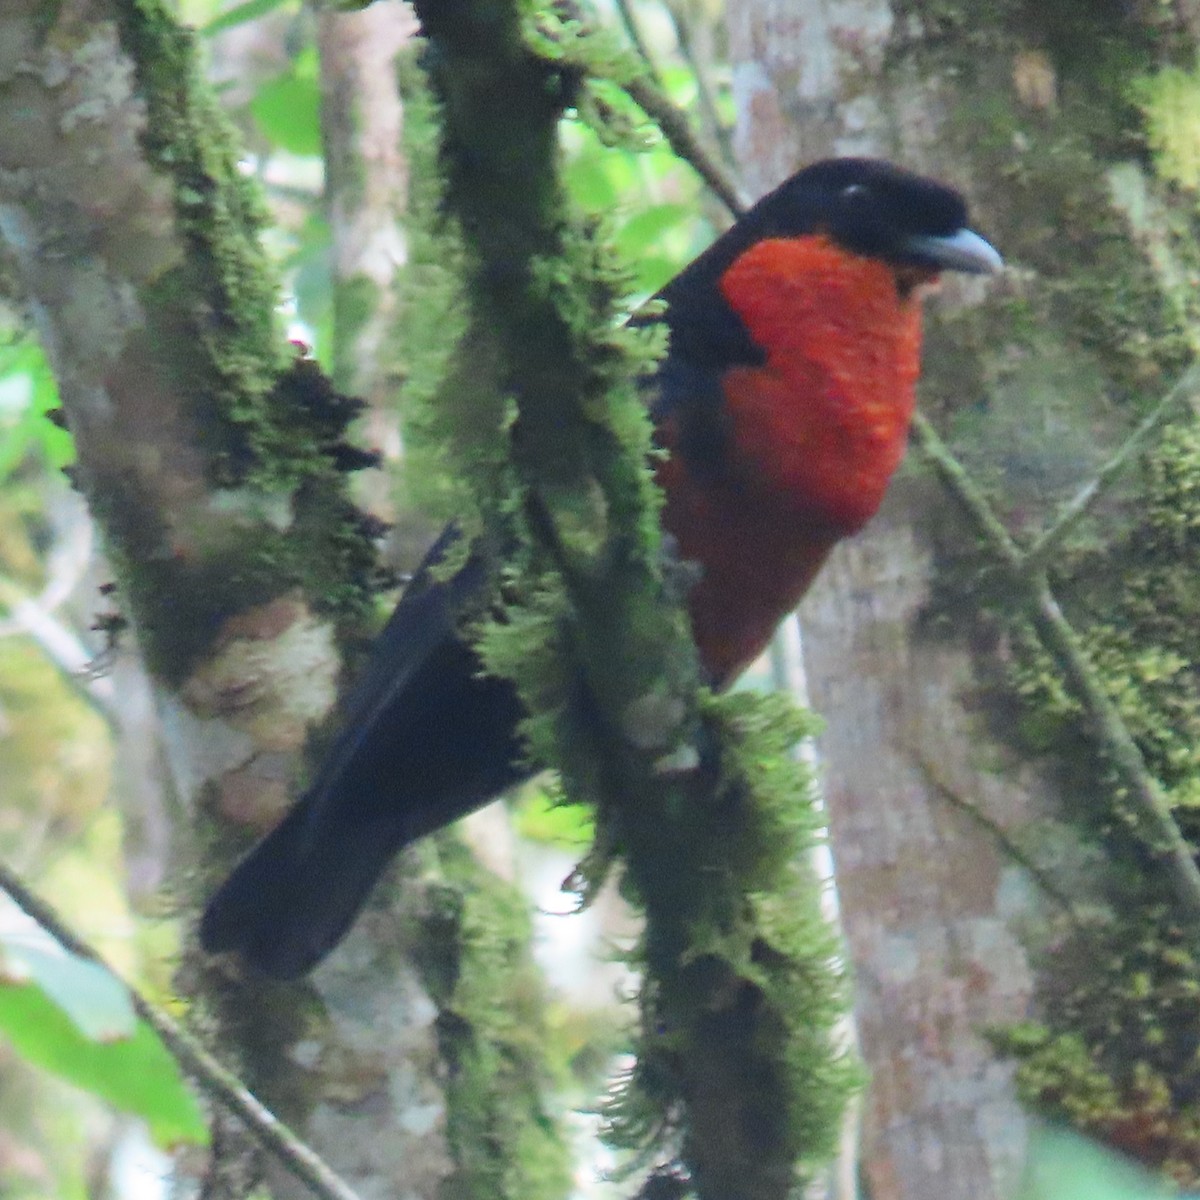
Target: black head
{"x":868,"y":206}
{"x":879,"y":210}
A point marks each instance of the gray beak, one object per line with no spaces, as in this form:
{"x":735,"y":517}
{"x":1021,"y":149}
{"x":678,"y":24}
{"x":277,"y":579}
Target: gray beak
{"x":963,"y":250}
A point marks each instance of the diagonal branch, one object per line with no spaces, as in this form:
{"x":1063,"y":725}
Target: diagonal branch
{"x":1062,"y":643}
{"x":221,"y":1085}
{"x":642,"y":87}
{"x":1186,"y":390}
{"x":1008,"y":845}
{"x":705,"y":98}
{"x":684,"y":141}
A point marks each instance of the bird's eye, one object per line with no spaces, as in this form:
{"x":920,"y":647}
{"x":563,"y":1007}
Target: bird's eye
{"x":855,"y":191}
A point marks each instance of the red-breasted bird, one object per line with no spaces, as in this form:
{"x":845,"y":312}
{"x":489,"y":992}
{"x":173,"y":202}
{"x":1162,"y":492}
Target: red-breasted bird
{"x":784,"y":403}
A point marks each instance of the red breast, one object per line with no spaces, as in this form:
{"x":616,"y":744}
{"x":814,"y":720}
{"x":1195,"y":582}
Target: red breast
{"x":813,"y":436}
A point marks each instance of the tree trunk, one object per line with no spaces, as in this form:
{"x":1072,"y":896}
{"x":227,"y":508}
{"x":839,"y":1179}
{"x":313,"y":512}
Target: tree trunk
{"x":209,"y":456}
{"x":937,"y":804}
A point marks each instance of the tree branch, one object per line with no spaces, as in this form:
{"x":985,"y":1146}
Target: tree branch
{"x":1062,"y":643}
{"x":684,"y":141}
{"x":1081,"y":505}
{"x":738,"y":1066}
{"x":717,"y":129}
{"x":34,"y":617}
{"x":640,"y":85}
{"x":219,"y":1084}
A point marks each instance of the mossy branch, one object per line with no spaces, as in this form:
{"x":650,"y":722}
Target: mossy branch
{"x":738,"y":1073}
{"x":220,"y":1085}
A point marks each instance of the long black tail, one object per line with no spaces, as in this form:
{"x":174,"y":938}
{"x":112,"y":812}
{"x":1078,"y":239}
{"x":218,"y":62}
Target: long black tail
{"x":294,"y":896}
{"x":426,"y":738}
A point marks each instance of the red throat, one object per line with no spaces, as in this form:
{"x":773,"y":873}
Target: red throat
{"x":825,"y":421}
{"x":813,"y":437}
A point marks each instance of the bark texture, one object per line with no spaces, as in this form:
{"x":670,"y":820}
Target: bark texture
{"x":937,"y":803}
{"x":134,"y":238}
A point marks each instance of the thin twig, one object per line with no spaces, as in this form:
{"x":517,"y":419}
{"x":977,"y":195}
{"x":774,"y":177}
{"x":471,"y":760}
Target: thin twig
{"x":220,"y":1084}
{"x":682,"y":139}
{"x":1043,"y":878}
{"x":958,"y":483}
{"x":1081,"y":504}
{"x":710,"y":117}
{"x":634,"y":33}
{"x":62,"y":648}
{"x":674,"y":124}
{"x":1062,"y":643}
{"x":1110,"y":730}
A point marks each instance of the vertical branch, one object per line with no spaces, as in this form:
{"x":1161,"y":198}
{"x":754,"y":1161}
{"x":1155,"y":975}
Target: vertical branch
{"x":738,"y":1075}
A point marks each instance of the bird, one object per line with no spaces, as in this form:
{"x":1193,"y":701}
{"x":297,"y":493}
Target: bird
{"x":781,"y":410}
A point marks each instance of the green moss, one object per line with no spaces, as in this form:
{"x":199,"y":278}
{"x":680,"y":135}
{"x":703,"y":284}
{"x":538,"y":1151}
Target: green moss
{"x":1119,"y":1060}
{"x":256,"y":545}
{"x":224,"y":292}
{"x":1170,"y":99}
{"x":734,"y":1048}
{"x":270,"y":428}
{"x":737,"y":1075}
{"x":472,"y":947}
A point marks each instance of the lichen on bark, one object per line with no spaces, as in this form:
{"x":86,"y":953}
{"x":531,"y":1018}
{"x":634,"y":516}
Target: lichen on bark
{"x":1095,"y":323}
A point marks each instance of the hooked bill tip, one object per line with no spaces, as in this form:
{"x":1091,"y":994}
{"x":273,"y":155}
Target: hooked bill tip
{"x":963,"y":250}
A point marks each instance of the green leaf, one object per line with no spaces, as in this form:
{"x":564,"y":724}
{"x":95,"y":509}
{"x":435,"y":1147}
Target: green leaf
{"x":544,"y":816}
{"x":27,"y":394}
{"x":93,"y":999}
{"x":652,"y":271}
{"x":1065,"y":1166}
{"x":239,"y":14}
{"x":73,"y":1017}
{"x":288,"y":108}
{"x":135,"y":1074}
{"x":590,"y":182}
{"x":647,"y":227}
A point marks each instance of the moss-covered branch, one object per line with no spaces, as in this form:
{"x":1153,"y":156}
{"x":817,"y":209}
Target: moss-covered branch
{"x":738,"y":1073}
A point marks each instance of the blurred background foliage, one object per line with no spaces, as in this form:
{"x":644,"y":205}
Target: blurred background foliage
{"x":89,"y":1102}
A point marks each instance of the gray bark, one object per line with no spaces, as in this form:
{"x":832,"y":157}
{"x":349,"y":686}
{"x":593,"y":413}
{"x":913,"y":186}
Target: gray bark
{"x":929,"y":786}
{"x":94,"y":224}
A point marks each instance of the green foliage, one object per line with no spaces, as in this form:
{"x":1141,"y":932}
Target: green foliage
{"x":55,"y":757}
{"x":474,"y":951}
{"x":72,"y":1017}
{"x":546,"y":814}
{"x":96,"y":1002}
{"x":287,"y":108}
{"x":27,"y":394}
{"x":1170,"y":101}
